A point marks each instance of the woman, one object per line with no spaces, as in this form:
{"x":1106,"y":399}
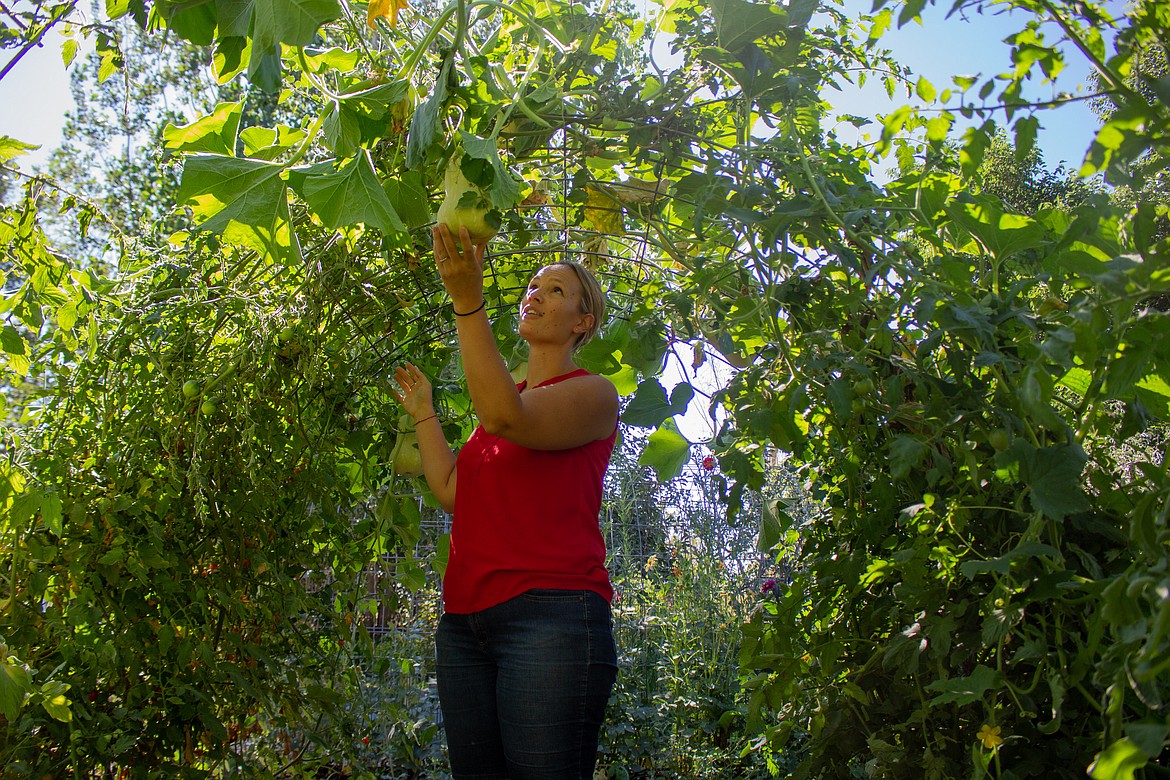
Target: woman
{"x":525,"y":651}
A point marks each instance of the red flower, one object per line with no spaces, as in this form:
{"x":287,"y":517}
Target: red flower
{"x":709,"y":463}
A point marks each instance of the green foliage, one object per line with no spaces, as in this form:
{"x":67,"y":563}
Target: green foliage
{"x":981,"y":531}
{"x":1022,"y":182}
{"x":949,"y":368}
{"x":225,"y":540}
{"x":685,"y":579}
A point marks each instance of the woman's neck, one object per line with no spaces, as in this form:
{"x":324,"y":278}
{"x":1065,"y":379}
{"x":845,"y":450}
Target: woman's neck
{"x":545,"y":364}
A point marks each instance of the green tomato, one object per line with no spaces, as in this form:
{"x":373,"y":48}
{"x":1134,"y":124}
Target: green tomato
{"x":190,"y":388}
{"x":287,"y":333}
{"x":863,"y":387}
{"x":999,"y":439}
{"x":209,"y":407}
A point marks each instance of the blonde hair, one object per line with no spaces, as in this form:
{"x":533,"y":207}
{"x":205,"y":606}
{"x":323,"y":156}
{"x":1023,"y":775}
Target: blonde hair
{"x":592,"y":300}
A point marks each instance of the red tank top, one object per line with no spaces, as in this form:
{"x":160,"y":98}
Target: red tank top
{"x":525,"y":519}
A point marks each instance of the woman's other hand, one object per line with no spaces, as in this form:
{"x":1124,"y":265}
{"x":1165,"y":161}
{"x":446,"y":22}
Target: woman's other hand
{"x":460,"y":265}
{"x":415,"y":396}
{"x":438,"y":460}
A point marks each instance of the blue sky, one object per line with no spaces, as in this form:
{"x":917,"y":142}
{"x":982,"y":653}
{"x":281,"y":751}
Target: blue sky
{"x":942,"y":47}
{"x":35,"y":96}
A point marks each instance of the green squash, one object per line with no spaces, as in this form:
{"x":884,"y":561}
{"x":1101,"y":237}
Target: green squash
{"x":466,"y":205}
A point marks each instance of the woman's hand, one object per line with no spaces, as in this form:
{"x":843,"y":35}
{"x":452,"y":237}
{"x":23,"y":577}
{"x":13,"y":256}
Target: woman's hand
{"x":438,"y":461}
{"x":460,"y":265}
{"x":416,"y":396}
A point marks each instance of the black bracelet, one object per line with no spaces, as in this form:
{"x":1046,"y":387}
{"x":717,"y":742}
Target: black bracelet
{"x":469,"y":313}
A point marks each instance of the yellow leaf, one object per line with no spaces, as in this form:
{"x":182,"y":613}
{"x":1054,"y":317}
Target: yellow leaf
{"x":603,"y":212}
{"x":636,"y":191}
{"x":387,"y":9}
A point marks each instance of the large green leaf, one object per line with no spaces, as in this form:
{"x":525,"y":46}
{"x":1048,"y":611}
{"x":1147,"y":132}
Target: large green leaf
{"x":966,"y":690}
{"x":667,"y":451}
{"x":235,"y":18}
{"x":55,"y":702}
{"x":906,"y":453}
{"x":425,"y":122}
{"x":649,"y":406}
{"x":738,"y":23}
{"x":282,"y":22}
{"x":750,"y":66}
{"x":376,"y":101}
{"x":14,"y":685}
{"x":351,"y":195}
{"x":215,"y":133}
{"x":264,"y":143}
{"x":602,"y":355}
{"x":1003,"y":564}
{"x":292,"y":22}
{"x":264,"y":67}
{"x":1077,"y":380}
{"x":244,"y":200}
{"x":1119,"y":761}
{"x":194,"y":22}
{"x":14,"y":350}
{"x":1054,"y":474}
{"x":1000,"y":233}
{"x":408,"y":195}
{"x":505,"y":190}
{"x":343,"y":131}
{"x":324,"y":694}
{"x":1154,"y":392}
{"x":773,"y":522}
{"x":51,"y":513}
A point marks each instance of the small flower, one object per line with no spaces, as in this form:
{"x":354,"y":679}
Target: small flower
{"x":989,"y":736}
{"x":709,"y":463}
{"x":769,"y":587}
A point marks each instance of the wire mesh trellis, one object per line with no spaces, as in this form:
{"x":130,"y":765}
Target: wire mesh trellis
{"x":643,"y":521}
{"x":652,"y":530}
{"x":632,"y":546}
{"x":626,"y":221}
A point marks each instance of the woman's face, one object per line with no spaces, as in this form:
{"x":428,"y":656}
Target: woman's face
{"x":551,"y":308}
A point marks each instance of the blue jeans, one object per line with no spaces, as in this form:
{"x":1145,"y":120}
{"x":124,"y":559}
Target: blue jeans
{"x":523,"y":686}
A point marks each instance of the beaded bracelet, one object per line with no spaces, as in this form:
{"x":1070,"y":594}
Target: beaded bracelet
{"x":469,"y":313}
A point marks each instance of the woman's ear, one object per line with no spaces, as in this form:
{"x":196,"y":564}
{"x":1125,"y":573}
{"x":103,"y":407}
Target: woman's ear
{"x":585,"y":324}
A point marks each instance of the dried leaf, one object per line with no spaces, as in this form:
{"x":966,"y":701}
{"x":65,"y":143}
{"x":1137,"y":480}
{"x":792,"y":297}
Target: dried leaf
{"x":603,"y":212}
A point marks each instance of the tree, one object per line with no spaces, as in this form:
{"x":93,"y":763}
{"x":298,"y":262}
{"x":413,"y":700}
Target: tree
{"x":1151,"y":186}
{"x":1026,"y":185}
